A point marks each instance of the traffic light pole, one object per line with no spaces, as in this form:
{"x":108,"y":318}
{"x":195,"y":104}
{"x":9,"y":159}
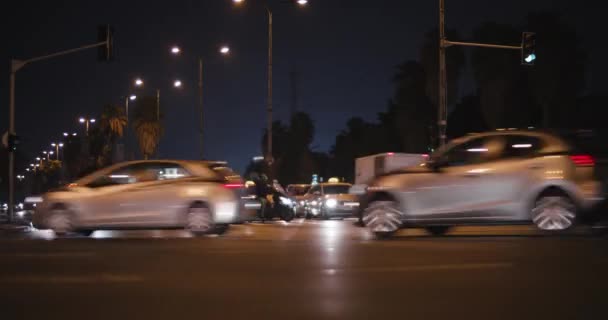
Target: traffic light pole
{"x":16,"y":65}
{"x":443,"y":82}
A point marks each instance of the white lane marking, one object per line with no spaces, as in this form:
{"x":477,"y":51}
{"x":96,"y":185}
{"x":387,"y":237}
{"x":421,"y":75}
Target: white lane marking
{"x":73,"y":279}
{"x":439,"y":267}
{"x":43,"y":255}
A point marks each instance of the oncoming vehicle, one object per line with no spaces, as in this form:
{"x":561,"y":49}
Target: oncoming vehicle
{"x":142,"y":194}
{"x":328,"y":200}
{"x":496,"y":177}
{"x":297,"y":192}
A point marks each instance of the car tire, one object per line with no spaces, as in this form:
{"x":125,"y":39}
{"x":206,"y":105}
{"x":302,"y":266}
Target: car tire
{"x":60,"y":221}
{"x":382,"y":218}
{"x":437,"y":230}
{"x":221,"y":229}
{"x":553,"y":211}
{"x":199,"y":219}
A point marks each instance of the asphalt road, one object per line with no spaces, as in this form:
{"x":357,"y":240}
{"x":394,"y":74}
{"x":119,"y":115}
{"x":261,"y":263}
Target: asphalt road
{"x":305,"y":270}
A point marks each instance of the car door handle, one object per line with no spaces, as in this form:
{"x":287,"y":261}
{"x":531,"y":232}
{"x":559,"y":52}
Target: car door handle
{"x":535,"y":166}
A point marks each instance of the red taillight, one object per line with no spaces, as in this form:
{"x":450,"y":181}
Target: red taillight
{"x":234,"y":185}
{"x":583,"y":160}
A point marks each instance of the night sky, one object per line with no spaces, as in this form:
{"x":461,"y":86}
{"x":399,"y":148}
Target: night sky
{"x":344,"y":51}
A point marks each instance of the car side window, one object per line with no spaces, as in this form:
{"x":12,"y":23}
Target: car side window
{"x":140,"y":172}
{"x":475,"y":151}
{"x":520,"y":146}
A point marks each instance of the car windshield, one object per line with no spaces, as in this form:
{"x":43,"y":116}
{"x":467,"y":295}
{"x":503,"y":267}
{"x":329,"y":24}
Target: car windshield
{"x":336,"y":189}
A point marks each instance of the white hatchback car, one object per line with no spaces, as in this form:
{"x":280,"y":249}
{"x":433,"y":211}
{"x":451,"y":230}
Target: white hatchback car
{"x":495,"y":177}
{"x":143,"y":194}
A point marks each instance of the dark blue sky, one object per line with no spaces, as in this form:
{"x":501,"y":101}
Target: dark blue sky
{"x":344,"y":51}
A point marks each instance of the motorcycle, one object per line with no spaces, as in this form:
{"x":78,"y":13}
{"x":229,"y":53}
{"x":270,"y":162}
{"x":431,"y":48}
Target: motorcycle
{"x":276,"y":204}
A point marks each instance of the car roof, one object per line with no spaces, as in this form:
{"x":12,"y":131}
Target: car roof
{"x":325,"y":184}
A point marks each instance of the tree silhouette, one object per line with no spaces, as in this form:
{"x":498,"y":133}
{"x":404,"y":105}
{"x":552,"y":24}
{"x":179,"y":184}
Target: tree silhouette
{"x":147,"y":125}
{"x":558,"y":76}
{"x":501,"y":80}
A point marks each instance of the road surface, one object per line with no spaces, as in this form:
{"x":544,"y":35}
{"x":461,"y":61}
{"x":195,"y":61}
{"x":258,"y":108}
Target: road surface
{"x":305,"y":270}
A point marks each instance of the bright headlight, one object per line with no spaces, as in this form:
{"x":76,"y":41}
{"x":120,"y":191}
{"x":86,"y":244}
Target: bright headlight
{"x":331,"y":203}
{"x":314,"y":203}
{"x":285,"y":201}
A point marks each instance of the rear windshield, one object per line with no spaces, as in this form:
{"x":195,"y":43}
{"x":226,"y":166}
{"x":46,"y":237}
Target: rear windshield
{"x":339,"y":189}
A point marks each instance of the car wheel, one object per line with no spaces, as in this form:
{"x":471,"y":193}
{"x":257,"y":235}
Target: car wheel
{"x":554,"y":211}
{"x":199,"y":220}
{"x":438,"y":230}
{"x":383,"y":218}
{"x":221,"y":229}
{"x":60,"y":221}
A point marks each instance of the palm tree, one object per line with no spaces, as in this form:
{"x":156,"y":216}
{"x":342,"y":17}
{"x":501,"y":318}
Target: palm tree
{"x":113,"y":121}
{"x":147,"y":125}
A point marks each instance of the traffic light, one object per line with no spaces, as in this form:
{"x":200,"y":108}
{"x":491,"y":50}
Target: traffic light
{"x":13,"y":142}
{"x":528,"y":48}
{"x":105,"y":33}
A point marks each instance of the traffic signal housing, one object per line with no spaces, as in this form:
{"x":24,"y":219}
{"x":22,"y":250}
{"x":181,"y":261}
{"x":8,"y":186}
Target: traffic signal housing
{"x":13,"y":142}
{"x":105,"y":33}
{"x":528,"y":48}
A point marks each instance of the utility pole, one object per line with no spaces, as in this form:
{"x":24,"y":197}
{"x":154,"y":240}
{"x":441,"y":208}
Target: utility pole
{"x":269,"y":157}
{"x":443,"y":83}
{"x":200,"y":105}
{"x":443,"y":78}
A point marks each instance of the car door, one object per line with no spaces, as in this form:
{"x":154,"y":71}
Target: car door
{"x":508,"y":176}
{"x":153,"y":200}
{"x":99,"y":205}
{"x":457,"y":188}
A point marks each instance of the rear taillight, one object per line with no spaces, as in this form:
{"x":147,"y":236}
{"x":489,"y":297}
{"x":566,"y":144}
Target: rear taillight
{"x":234,"y":185}
{"x":583,"y":160}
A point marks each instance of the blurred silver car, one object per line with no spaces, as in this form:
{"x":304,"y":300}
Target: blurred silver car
{"x":495,"y":177}
{"x":328,"y":200}
{"x":143,"y":194}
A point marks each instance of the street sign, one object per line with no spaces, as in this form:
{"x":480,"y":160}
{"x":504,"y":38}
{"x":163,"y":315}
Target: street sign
{"x":5,"y":139}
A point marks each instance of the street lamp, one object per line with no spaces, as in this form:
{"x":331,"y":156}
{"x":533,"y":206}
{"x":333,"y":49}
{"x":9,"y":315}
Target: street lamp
{"x":86,"y":122}
{"x":300,"y":3}
{"x":224,"y":50}
{"x":139,"y":82}
{"x":57,"y":146}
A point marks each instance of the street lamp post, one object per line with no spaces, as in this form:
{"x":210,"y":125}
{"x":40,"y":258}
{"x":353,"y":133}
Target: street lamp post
{"x":175,"y":50}
{"x":57,"y":146}
{"x":269,"y":106}
{"x":86,"y":122}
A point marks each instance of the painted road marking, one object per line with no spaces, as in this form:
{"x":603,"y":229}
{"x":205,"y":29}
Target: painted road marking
{"x":75,"y":279}
{"x":438,"y":267}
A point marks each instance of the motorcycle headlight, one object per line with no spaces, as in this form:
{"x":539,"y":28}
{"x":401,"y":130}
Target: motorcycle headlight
{"x":285,"y":201}
{"x":331,"y":203}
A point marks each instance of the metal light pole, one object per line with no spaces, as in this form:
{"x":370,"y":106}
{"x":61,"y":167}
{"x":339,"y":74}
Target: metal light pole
{"x":269,"y":156}
{"x":200,"y":105}
{"x":443,"y":86}
{"x":157,"y":104}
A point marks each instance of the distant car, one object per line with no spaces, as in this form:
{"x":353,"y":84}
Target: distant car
{"x":143,"y":194}
{"x":329,"y":200}
{"x":495,"y":177}
{"x":297,"y":192}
